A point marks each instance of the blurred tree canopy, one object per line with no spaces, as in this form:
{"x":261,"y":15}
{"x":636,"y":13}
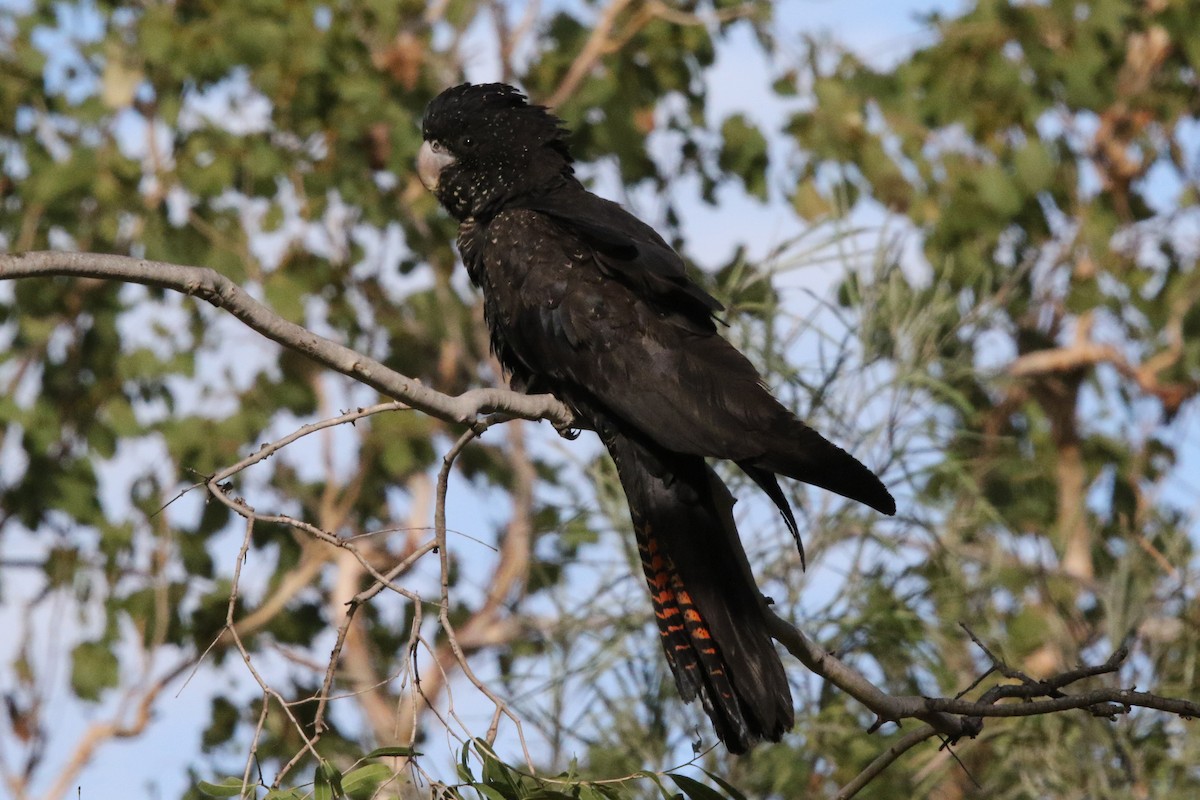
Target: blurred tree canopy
{"x":1015,"y":336}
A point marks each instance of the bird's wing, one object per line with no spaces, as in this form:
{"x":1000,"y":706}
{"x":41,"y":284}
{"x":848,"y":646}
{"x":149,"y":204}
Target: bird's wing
{"x":630,"y":251}
{"x":609,"y":341}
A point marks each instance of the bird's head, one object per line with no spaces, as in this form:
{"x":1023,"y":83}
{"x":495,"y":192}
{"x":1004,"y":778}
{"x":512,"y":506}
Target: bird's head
{"x":486,"y":146}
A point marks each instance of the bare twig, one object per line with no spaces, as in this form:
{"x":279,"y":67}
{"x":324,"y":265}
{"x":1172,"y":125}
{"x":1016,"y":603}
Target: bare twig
{"x":99,"y":732}
{"x":513,"y":567}
{"x":598,"y":45}
{"x":252,"y":755}
{"x":269,"y":692}
{"x":887,"y":708}
{"x":956,"y":718}
{"x":439,"y":522}
{"x":606,"y":39}
{"x":352,"y":607}
{"x":479,"y":629}
{"x":885,"y":760}
{"x":271,"y":448}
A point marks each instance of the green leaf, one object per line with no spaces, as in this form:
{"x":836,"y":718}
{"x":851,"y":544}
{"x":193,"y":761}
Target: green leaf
{"x":1027,"y":631}
{"x":809,"y":203}
{"x":464,"y":766}
{"x":730,"y":790}
{"x":490,"y":792}
{"x":94,"y":668}
{"x":998,"y":192}
{"x":327,"y":781}
{"x":285,"y":295}
{"x":223,"y":720}
{"x":744,"y":154}
{"x":1034,"y":165}
{"x":666,"y":795}
{"x":694,"y":789}
{"x":366,"y":778}
{"x":383,"y":752}
{"x":497,"y":774}
{"x":228,"y":787}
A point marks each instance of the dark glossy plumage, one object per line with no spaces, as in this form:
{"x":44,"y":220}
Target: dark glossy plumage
{"x":587,"y":302}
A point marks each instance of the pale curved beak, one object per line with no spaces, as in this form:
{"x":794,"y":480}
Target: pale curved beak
{"x":430,"y":164}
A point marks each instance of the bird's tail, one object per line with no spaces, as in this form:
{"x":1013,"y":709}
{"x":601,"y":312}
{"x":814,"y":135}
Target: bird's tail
{"x":710,"y":612}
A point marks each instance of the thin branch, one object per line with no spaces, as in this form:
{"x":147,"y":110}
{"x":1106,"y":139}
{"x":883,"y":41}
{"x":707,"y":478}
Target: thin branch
{"x":598,"y":45}
{"x":252,"y":755}
{"x":351,"y":609}
{"x":956,"y":718}
{"x":718,"y":16}
{"x":100,"y":732}
{"x":1101,"y":702}
{"x":512,"y":569}
{"x":886,"y":707}
{"x":214,"y":288}
{"x":479,"y":630}
{"x":439,"y":522}
{"x":271,"y":448}
{"x":268,"y":691}
{"x":885,"y":760}
{"x":1087,"y":353}
{"x":240,"y":507}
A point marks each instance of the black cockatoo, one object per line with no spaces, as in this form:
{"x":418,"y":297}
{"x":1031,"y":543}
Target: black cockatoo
{"x":588,"y":303}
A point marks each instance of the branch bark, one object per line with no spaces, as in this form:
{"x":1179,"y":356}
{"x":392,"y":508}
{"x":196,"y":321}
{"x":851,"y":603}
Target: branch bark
{"x":955,"y":718}
{"x":598,"y":45}
{"x":214,"y":288}
{"x":886,"y":707}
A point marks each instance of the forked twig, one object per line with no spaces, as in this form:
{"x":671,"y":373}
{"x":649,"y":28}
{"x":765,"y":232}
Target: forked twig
{"x":955,"y":718}
{"x":439,"y":524}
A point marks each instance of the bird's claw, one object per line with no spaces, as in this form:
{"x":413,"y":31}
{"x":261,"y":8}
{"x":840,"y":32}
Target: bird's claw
{"x":567,"y":431}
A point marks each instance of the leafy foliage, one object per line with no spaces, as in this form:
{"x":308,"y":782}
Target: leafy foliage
{"x":1031,"y":339}
{"x":1045,"y":155}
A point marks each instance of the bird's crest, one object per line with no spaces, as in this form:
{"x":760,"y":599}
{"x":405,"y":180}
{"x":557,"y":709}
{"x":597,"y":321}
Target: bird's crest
{"x":497,"y":110}
{"x":487,"y":147}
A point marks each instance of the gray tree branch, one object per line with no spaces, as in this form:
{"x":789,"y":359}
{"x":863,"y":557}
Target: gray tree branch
{"x":214,"y":288}
{"x":955,"y":718}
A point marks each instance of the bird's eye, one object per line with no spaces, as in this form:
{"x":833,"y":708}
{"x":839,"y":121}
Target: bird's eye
{"x":468,"y":142}
{"x":435,"y":146}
